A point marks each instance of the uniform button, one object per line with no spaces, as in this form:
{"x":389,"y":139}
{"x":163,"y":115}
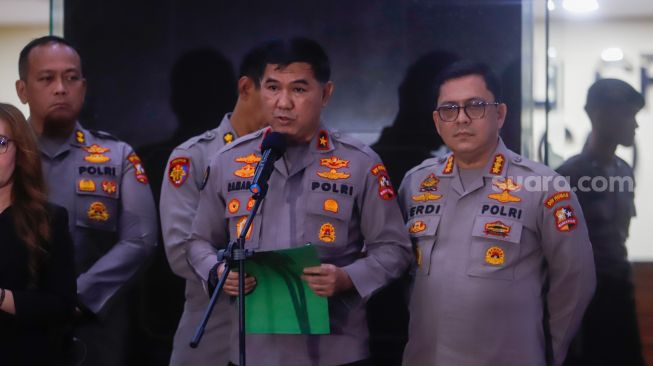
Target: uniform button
{"x":517,"y":159}
{"x":209,"y":135}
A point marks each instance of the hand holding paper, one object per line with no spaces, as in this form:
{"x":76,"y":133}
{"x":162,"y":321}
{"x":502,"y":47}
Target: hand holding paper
{"x":327,"y":279}
{"x":231,"y":284}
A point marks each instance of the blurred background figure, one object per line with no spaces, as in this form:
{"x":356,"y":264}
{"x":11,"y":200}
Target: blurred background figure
{"x":609,"y":334}
{"x":37,"y":272}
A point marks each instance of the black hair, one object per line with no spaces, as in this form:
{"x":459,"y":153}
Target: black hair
{"x":283,"y":53}
{"x":465,"y":68}
{"x":612,"y":91}
{"x":24,"y":53}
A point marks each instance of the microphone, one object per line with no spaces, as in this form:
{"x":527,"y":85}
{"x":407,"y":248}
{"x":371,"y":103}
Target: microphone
{"x":273,"y":147}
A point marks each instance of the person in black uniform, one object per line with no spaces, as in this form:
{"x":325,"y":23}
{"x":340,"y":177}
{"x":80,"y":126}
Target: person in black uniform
{"x":609,"y":333}
{"x":37,"y":273}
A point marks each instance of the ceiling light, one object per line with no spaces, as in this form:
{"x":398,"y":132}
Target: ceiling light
{"x":551,"y":5}
{"x":580,"y":6}
{"x":612,"y":54}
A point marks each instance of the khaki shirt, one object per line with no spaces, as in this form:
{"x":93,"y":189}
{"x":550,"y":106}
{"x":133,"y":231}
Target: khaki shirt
{"x":485,"y":258}
{"x":102,"y":184}
{"x":333,"y":192}
{"x":180,"y":194}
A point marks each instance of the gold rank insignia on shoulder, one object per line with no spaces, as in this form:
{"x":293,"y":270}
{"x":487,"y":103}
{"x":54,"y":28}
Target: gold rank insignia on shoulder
{"x":139,"y":171}
{"x":331,"y":205}
{"x":86,"y":185}
{"x":428,"y":185}
{"x":506,"y":186}
{"x":248,"y":170}
{"x":233,"y":205}
{"x":555,"y":198}
{"x":80,"y":137}
{"x":565,"y":219}
{"x":179,"y":171}
{"x":334,"y":163}
{"x":495,"y":256}
{"x":240,"y":225}
{"x":228,"y":138}
{"x":109,"y":187}
{"x":97,"y":211}
{"x":327,"y":233}
{"x":417,"y":227}
{"x":497,"y":228}
{"x":497,"y":164}
{"x":448,"y":166}
{"x":323,"y":140}
{"x":386,"y":191}
{"x":96,"y":154}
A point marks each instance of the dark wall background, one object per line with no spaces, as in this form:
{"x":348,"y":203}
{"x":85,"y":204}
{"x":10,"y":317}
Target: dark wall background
{"x":129,"y":48}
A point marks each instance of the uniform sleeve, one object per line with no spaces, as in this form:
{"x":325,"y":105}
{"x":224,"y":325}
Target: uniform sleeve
{"x":209,"y":229}
{"x":568,"y":252}
{"x":178,"y":206}
{"x":53,"y":302}
{"x":386,"y":239}
{"x":137,"y":231}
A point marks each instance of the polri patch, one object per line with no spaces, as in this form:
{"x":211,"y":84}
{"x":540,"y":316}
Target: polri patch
{"x":327,"y":233}
{"x":233,"y":205}
{"x":139,"y":171}
{"x":417,"y":227}
{"x":331,"y":205}
{"x":97,"y":211}
{"x":565,"y":219}
{"x":86,"y":185}
{"x":497,"y":228}
{"x":495,"y":256}
{"x":109,"y":187}
{"x":386,"y":191}
{"x":557,"y":197}
{"x":179,"y":171}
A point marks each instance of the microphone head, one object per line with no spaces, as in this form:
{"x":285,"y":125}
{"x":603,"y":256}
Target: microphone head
{"x":276,"y":141}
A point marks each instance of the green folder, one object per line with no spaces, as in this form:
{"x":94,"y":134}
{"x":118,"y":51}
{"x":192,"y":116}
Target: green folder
{"x":282,"y":303}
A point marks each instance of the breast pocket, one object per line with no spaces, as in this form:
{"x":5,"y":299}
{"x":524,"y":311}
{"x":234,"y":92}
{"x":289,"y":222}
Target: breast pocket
{"x":423,"y":231}
{"x":327,"y":222}
{"x":239,"y":206}
{"x":97,"y":203}
{"x":495,"y":248}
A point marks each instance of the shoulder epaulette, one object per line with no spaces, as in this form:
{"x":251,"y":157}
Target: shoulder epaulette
{"x":244,"y":139}
{"x":427,"y":163}
{"x":103,"y":135}
{"x":206,"y":136}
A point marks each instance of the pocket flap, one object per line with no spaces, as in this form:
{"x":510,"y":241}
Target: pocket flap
{"x":497,"y":228}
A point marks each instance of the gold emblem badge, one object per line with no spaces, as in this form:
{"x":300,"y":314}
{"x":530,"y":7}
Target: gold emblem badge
{"x":428,"y":185}
{"x":179,"y":171}
{"x":417,"y":227}
{"x":240,"y":225}
{"x":86,"y":185}
{"x":334,"y":163}
{"x":248,"y":170}
{"x":555,"y":198}
{"x":97,"y":211}
{"x":565,"y":219}
{"x":139,"y":171}
{"x":80,"y":137}
{"x":109,"y":186}
{"x":327,"y":233}
{"x":96,"y":154}
{"x":497,"y":164}
{"x":228,"y":138}
{"x":506,"y":186}
{"x":323,"y":140}
{"x":428,"y":196}
{"x":448,"y":167}
{"x":497,"y":228}
{"x":386,"y":191}
{"x":250,"y":204}
{"x":331,"y":205}
{"x":233,"y":205}
{"x":495,"y":256}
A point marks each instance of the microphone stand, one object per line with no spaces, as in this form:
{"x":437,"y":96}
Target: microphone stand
{"x":235,"y":252}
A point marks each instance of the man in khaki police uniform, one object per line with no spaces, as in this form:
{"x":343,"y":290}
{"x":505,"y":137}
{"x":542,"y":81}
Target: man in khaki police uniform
{"x":180,"y":193}
{"x":327,"y":189}
{"x":504,"y":267}
{"x":102,"y":184}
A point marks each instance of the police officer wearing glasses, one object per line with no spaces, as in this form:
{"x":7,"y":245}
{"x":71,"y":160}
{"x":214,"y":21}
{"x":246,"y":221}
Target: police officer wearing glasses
{"x":504,"y":270}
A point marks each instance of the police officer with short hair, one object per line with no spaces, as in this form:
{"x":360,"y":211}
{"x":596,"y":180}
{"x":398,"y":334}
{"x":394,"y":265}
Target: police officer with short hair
{"x":180,"y":194}
{"x":102,"y":184}
{"x":327,"y":189}
{"x":504,"y":271}
{"x":609,"y":334}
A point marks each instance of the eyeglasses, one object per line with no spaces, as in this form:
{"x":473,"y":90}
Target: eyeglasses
{"x":474,"y":110}
{"x":4,"y":144}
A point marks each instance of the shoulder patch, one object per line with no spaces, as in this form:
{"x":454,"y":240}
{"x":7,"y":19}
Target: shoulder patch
{"x":386,"y":191}
{"x":139,"y":171}
{"x":103,"y":135}
{"x":179,"y":171}
{"x":206,"y":136}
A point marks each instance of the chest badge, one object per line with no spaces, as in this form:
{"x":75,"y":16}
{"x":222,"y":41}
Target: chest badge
{"x":427,"y":187}
{"x":109,"y":187}
{"x":495,"y":256}
{"x":139,"y":171}
{"x":247,"y":170}
{"x":179,"y":171}
{"x":250,"y":203}
{"x":86,"y":185}
{"x":506,"y":186}
{"x":240,"y":225}
{"x":97,"y":211}
{"x":417,"y":227}
{"x":96,"y":154}
{"x":233,"y":205}
{"x":331,"y":205}
{"x":334,"y":163}
{"x":327,"y":233}
{"x":497,"y":228}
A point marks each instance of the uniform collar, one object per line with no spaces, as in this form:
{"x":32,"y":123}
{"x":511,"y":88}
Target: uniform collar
{"x":77,"y":138}
{"x":321,"y":143}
